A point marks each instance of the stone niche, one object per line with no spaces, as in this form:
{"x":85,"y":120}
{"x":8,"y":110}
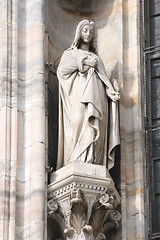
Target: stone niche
{"x":62,"y":17}
{"x":81,"y":205}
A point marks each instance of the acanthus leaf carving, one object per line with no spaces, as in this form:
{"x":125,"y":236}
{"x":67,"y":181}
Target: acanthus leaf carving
{"x":52,"y":207}
{"x":81,"y":225}
{"x":78,"y":210}
{"x":101,"y":236}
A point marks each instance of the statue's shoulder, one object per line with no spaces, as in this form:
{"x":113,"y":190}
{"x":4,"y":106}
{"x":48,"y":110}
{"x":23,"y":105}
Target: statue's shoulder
{"x":68,"y":56}
{"x":68,"y":52}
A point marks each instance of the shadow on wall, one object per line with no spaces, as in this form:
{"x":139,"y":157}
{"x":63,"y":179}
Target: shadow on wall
{"x":97,"y":10}
{"x":64,"y":15}
{"x":127,"y":98}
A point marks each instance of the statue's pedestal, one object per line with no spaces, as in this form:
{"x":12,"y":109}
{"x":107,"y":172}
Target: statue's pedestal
{"x":82,"y":199}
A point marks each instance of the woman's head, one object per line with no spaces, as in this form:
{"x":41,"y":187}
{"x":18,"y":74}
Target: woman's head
{"x":85,"y":32}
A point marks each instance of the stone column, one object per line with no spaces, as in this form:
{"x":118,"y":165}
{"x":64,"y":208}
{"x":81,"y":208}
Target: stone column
{"x":22,"y":117}
{"x":132,"y":159}
{"x":8,"y":117}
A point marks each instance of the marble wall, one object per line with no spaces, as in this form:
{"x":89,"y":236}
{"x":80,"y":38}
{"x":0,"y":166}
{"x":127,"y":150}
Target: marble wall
{"x":132,"y":155}
{"x":8,"y":119}
{"x":22,"y":116}
{"x":25,"y":87}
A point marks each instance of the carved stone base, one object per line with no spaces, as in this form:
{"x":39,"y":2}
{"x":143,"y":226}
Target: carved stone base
{"x":82,"y":201}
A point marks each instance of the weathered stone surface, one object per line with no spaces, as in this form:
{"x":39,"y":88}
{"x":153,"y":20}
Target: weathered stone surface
{"x":22,"y":90}
{"x":22,"y":117}
{"x":83,"y":203}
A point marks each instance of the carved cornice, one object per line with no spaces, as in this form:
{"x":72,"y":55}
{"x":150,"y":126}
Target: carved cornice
{"x":67,"y":189}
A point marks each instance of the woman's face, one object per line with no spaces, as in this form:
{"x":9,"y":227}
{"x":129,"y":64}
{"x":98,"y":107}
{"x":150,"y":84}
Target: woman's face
{"x":87,"y":33}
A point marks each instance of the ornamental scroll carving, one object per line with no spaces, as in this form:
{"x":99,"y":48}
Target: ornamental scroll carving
{"x":85,"y":219}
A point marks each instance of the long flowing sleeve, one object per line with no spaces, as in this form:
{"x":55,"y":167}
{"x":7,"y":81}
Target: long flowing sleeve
{"x":100,"y":70}
{"x":70,"y":63}
{"x":113,"y":116}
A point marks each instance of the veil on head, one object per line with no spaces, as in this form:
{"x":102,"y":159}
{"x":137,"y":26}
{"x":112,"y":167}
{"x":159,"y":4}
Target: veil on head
{"x":77,"y":37}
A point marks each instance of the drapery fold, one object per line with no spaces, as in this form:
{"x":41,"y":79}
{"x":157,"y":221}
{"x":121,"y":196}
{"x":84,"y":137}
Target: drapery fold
{"x":88,"y":121}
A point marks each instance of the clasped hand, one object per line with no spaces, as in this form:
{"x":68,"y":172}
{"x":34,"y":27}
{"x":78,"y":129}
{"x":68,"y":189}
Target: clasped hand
{"x":90,"y":61}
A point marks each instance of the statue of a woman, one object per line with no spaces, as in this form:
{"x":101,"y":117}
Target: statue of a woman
{"x":88,"y":114}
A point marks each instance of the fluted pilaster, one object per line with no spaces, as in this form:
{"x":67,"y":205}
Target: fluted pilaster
{"x":22,"y":117}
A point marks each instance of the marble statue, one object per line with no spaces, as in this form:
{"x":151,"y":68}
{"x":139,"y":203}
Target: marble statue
{"x":88,"y":103}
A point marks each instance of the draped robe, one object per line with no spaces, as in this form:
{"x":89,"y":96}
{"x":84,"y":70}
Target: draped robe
{"x":88,"y":119}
